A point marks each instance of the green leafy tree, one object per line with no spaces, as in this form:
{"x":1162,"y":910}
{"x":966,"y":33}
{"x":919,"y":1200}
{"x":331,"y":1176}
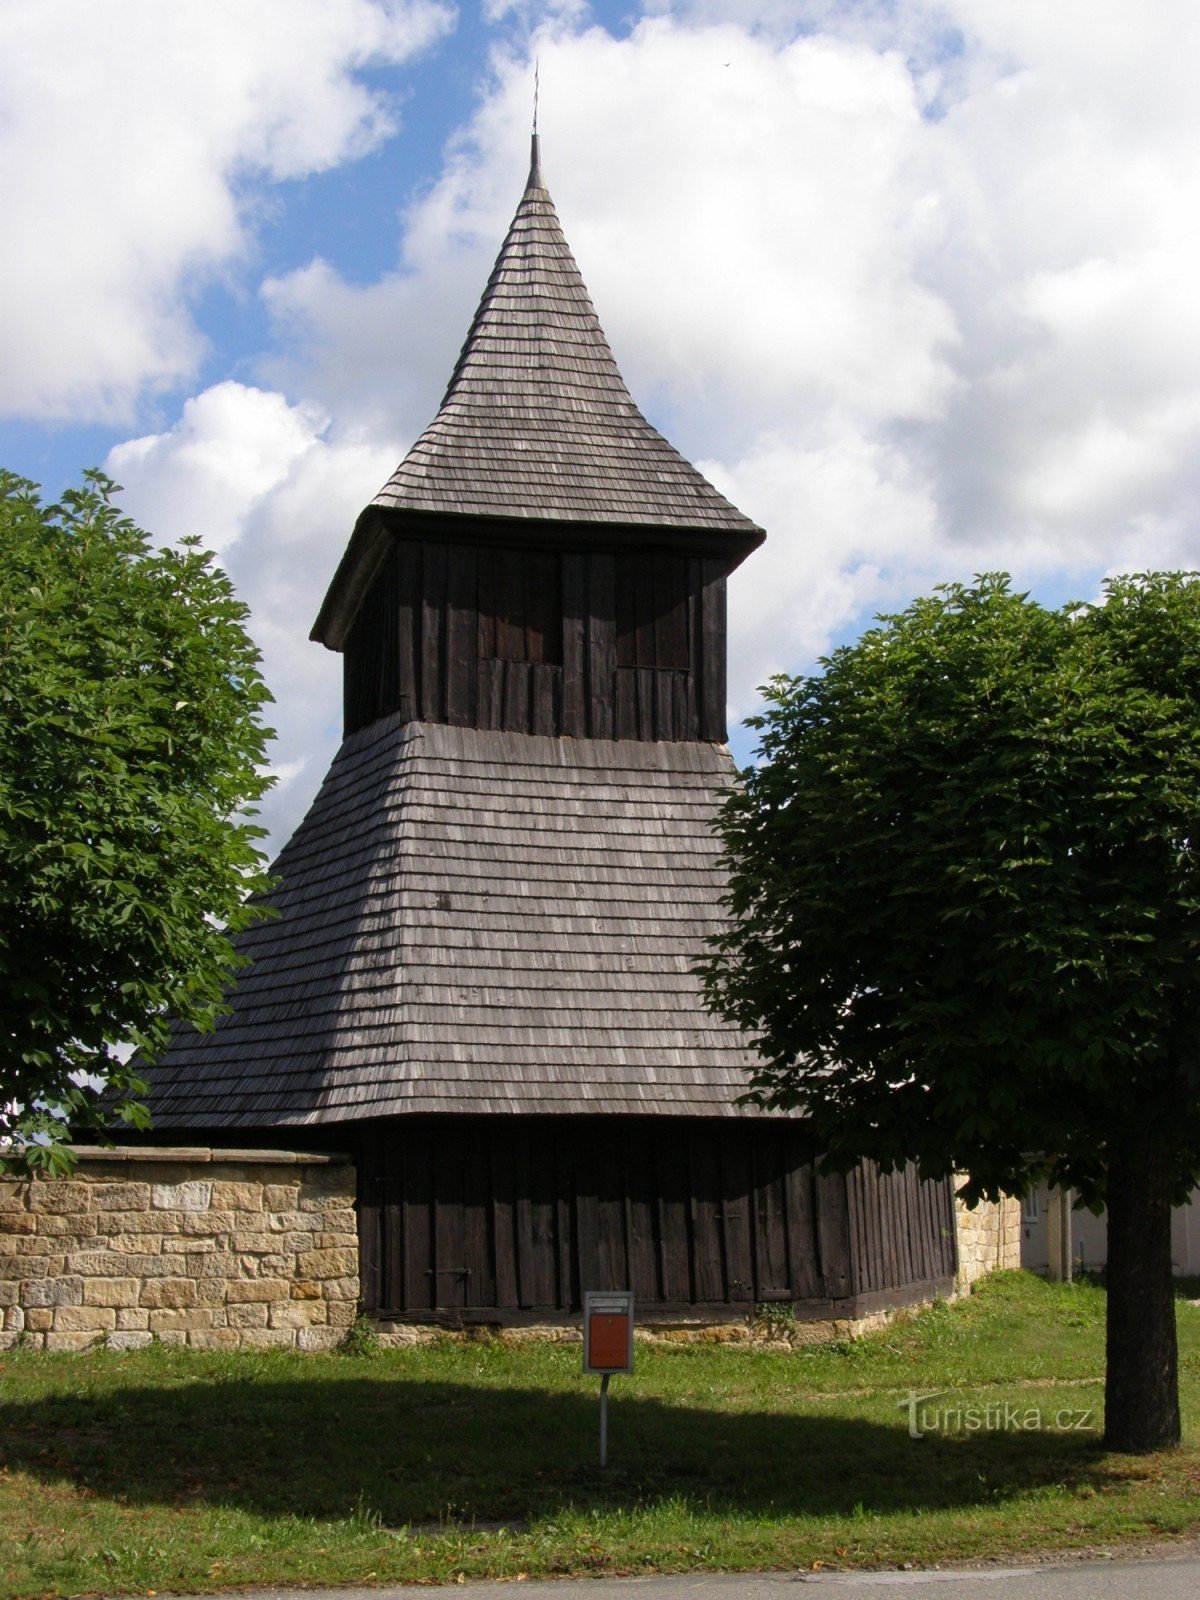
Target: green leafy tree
{"x":966,"y":886}
{"x":130,"y":746}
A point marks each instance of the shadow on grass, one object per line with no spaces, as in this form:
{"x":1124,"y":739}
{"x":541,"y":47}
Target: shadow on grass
{"x":416,"y":1451}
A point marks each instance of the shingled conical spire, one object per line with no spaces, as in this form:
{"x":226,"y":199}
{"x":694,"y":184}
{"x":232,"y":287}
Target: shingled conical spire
{"x":537,"y":421}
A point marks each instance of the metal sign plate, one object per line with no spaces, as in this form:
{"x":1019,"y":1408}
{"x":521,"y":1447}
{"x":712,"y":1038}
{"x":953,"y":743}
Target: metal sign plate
{"x":608,"y":1331}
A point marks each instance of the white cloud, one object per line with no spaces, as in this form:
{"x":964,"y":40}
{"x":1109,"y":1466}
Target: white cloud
{"x":277,"y":493}
{"x":132,"y":135}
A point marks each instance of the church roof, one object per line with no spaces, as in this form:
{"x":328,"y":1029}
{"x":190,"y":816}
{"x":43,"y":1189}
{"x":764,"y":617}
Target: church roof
{"x":477,"y":921}
{"x":537,"y":425}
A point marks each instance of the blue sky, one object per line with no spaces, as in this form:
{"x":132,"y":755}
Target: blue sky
{"x":912,"y":282}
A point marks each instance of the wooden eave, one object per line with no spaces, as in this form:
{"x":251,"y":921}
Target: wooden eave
{"x":378,"y":526}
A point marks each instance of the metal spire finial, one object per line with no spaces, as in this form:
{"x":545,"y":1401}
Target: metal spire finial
{"x":535,"y":155}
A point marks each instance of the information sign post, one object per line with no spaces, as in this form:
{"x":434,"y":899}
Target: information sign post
{"x":607,"y":1344}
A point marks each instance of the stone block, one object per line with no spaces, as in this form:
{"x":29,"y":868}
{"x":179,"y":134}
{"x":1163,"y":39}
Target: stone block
{"x":268,"y":1338}
{"x":69,"y":1195}
{"x":207,"y":1224}
{"x":128,"y":1339}
{"x":39,"y":1318}
{"x":318,"y":1338}
{"x":289,"y":1222}
{"x":264,"y":1290}
{"x":258,"y":1242}
{"x":172,"y":1336}
{"x":210,"y":1291}
{"x":215,"y":1339}
{"x":69,"y":1341}
{"x":252,"y":1315}
{"x":217,"y":1264}
{"x":26,"y":1266}
{"x":10,"y":1341}
{"x":13,"y":1223}
{"x":9,"y":1293}
{"x":143,"y":1225}
{"x":194,"y":1195}
{"x":13,"y":1319}
{"x":84,"y":1319}
{"x":335,"y":1241}
{"x":297,"y":1314}
{"x":111,"y":1291}
{"x":52,"y":1292}
{"x":342,"y":1313}
{"x":237,"y":1196}
{"x":305,"y":1289}
{"x":327,"y":1263}
{"x":14,"y":1194}
{"x":132,"y":1318}
{"x":170,"y":1293}
{"x":340,"y":1289}
{"x":324,"y":1201}
{"x":72,"y":1225}
{"x":180,"y":1321}
{"x":189,"y":1244}
{"x":280,"y":1196}
{"x":121,"y":1197}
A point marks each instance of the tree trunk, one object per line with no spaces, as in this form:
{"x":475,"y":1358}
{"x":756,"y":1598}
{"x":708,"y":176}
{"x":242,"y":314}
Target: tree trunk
{"x":1141,"y":1387}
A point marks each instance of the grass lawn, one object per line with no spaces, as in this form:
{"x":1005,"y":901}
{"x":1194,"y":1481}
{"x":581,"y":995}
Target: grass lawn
{"x":164,"y":1469}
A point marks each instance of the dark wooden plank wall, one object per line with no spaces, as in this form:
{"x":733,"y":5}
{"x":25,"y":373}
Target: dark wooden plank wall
{"x":510,"y":1215}
{"x":626,"y":645}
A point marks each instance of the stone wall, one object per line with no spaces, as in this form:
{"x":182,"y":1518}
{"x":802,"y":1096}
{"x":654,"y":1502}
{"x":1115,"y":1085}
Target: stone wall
{"x":989,"y":1236}
{"x":199,"y":1247}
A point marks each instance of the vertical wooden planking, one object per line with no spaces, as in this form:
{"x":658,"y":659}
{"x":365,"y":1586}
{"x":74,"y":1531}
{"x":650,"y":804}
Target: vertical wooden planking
{"x":489,"y":699}
{"x":664,"y":706}
{"x":695,"y":612}
{"x":642,"y":1228}
{"x":771,"y":1278}
{"x":708,"y":1257}
{"x":485,"y":646}
{"x":546,"y":697}
{"x":949,"y":1229}
{"x":510,"y":605}
{"x":368,"y":1204}
{"x":712,"y":657}
{"x":449,"y":1257}
{"x":625,"y":609}
{"x":416,"y":1187}
{"x":408,"y":629}
{"x":504,"y":1222}
{"x":574,"y":588}
{"x":462,"y":633}
{"x":625,"y":710}
{"x":391,"y":1266}
{"x":800,"y":1211}
{"x":671,"y":647}
{"x":641,"y":573}
{"x":587,"y":1215}
{"x":735,"y":1214}
{"x":644,"y":681}
{"x":671,"y":1177}
{"x":567,"y":1285}
{"x":601,"y":629}
{"x":478,"y":1238}
{"x":543,"y":607}
{"x":517,"y":676}
{"x":610,"y":1211}
{"x":833,"y":1235}
{"x":433,"y":616}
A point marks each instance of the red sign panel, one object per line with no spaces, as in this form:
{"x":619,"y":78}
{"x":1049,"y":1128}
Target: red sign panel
{"x":607,"y":1332}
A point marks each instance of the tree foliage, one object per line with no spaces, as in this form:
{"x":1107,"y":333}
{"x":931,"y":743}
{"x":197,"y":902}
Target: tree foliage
{"x":130,"y":748}
{"x":966,"y":885}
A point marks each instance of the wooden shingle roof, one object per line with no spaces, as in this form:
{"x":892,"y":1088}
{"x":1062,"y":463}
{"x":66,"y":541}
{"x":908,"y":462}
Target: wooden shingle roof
{"x":478,"y":921}
{"x":537,"y":427}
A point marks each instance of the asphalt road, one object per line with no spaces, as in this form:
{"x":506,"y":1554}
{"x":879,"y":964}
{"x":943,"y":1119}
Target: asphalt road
{"x":1174,"y":1577}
